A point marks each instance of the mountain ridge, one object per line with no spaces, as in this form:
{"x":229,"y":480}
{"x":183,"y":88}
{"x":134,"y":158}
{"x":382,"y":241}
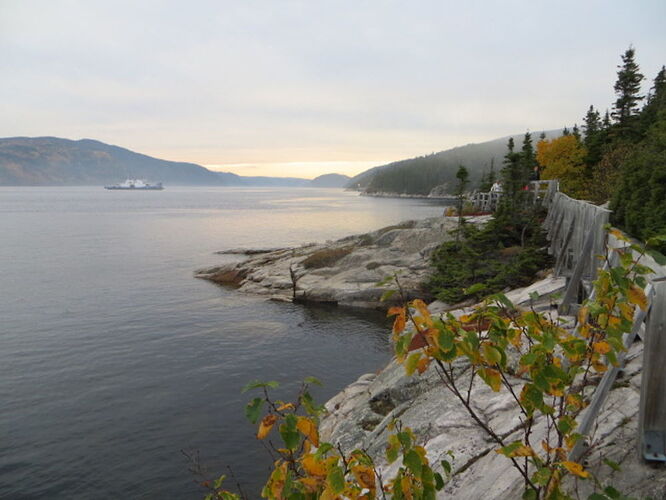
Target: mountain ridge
{"x":55,"y":161}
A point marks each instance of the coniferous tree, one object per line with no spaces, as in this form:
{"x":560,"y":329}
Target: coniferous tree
{"x":594,"y":139}
{"x":576,"y":132}
{"x":627,"y":88}
{"x":565,"y":131}
{"x":462,"y":175}
{"x":527,"y":158}
{"x":606,"y":123}
{"x":512,"y":182}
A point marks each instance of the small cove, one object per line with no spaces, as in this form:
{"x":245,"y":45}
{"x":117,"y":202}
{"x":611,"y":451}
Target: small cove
{"x":113,"y":357}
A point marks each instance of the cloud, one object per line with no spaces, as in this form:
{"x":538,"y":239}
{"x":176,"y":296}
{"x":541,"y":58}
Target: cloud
{"x":260,"y":82}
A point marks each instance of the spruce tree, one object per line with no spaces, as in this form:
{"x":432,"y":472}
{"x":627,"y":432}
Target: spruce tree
{"x":576,"y":132}
{"x":565,"y":131}
{"x":627,"y":88}
{"x":594,"y":139}
{"x":527,"y":158}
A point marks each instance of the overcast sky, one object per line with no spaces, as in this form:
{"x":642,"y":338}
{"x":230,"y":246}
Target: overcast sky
{"x":304,"y":88}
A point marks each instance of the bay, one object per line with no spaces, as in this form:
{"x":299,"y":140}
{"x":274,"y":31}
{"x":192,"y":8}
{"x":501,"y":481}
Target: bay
{"x":113,"y":358}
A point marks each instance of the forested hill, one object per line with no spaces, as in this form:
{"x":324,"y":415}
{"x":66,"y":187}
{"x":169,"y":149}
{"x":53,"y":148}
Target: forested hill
{"x":45,"y":161}
{"x":420,"y":175}
{"x":52,"y":161}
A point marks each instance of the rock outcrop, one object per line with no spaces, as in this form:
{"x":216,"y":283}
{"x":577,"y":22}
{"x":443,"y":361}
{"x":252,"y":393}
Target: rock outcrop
{"x":344,"y":272}
{"x":358,"y":418}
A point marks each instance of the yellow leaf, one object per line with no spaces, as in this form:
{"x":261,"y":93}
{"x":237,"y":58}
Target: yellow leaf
{"x":523,"y":451}
{"x":266,"y":425}
{"x":599,"y":367}
{"x":365,"y":476}
{"x":492,"y":378}
{"x":627,"y":310}
{"x":582,"y":315}
{"x":286,"y":406}
{"x":312,"y":466}
{"x":618,"y":234}
{"x":311,"y":483}
{"x":602,"y":347}
{"x":637,"y":296}
{"x":309,"y":429}
{"x":575,"y":468}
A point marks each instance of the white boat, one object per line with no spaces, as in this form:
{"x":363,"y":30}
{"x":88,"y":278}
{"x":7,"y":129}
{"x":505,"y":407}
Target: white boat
{"x":134,"y":184}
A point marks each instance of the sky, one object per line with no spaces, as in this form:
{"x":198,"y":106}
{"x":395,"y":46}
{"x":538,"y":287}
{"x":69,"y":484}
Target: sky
{"x":303,"y":88}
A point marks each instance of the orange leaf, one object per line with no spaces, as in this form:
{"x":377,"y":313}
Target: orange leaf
{"x":286,"y":406}
{"x":601,"y":347}
{"x":308,"y":429}
{"x":312,"y":466}
{"x":575,"y":468}
{"x":423,"y":364}
{"x":365,"y":476}
{"x":399,"y":323}
{"x":395,"y":310}
{"x":266,"y":425}
{"x":637,"y":296}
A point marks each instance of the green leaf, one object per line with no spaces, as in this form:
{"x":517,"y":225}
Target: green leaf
{"x":445,"y":339}
{"x":612,"y":493}
{"x":336,"y":479}
{"x":413,"y":463}
{"x":253,"y":410}
{"x":289,"y":433}
{"x":475,"y":288}
{"x":446,"y":466}
{"x":323,"y":449}
{"x":613,"y":465}
{"x":410,"y":364}
{"x":387,"y":295}
{"x":439,"y":481}
{"x":313,"y":381}
{"x":530,"y":494}
{"x":405,"y":439}
{"x":255,"y":384}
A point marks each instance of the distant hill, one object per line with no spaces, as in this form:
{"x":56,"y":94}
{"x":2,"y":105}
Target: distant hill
{"x":52,"y":161}
{"x":420,"y":175}
{"x":330,"y":181}
{"x":48,"y":161}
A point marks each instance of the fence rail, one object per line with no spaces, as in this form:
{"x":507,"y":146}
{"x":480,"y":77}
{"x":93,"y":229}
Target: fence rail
{"x":577,"y":236}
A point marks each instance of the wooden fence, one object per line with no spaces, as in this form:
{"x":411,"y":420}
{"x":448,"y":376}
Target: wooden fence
{"x":578,"y":240}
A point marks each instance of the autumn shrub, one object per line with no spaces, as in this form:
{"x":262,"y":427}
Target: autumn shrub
{"x":326,"y":257}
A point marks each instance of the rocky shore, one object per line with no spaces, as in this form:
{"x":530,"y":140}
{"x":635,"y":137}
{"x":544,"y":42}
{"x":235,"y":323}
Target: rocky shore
{"x":359,"y":415}
{"x":345,"y":272}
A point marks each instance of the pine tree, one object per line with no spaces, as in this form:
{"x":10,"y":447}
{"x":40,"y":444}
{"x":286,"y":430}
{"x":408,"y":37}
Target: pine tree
{"x":527,"y":158}
{"x":606,"y":123}
{"x":656,"y":100}
{"x":627,"y":88}
{"x":576,"y":132}
{"x":512,"y":182}
{"x":463,"y":179}
{"x":594,"y":139}
{"x":565,"y":131}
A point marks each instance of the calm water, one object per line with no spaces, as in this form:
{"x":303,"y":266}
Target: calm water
{"x":113,"y":357}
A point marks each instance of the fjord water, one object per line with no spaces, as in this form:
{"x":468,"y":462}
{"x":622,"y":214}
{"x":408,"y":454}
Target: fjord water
{"x":113,"y":358}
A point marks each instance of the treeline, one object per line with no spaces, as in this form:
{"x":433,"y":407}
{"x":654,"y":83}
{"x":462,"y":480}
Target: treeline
{"x":414,"y":177}
{"x":618,"y":157}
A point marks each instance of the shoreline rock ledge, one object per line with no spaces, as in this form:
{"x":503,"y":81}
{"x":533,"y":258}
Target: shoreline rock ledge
{"x":343,"y":272}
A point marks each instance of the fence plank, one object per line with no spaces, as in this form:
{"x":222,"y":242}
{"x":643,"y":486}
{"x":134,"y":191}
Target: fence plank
{"x":604,"y":387}
{"x":652,"y":416}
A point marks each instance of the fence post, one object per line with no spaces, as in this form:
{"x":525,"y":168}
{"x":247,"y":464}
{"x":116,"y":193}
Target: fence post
{"x":652,"y":413}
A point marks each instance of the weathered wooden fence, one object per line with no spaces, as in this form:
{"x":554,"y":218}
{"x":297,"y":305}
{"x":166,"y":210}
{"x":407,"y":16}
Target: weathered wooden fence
{"x":577,"y":239}
{"x":578,"y":242}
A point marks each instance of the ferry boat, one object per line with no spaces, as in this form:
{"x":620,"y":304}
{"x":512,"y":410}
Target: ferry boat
{"x":134,"y":184}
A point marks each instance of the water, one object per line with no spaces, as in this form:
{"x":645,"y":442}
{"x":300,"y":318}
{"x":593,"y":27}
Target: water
{"x":113,"y":358}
